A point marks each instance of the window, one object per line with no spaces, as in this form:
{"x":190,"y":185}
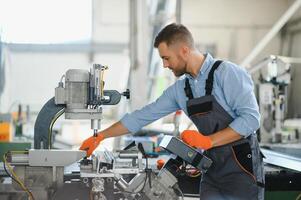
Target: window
{"x":45,"y":21}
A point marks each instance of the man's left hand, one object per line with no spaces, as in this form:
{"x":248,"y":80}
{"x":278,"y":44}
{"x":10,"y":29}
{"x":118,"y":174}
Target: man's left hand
{"x":90,"y":144}
{"x":196,"y":139}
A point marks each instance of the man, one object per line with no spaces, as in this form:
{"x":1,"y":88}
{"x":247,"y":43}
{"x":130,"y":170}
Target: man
{"x":218,"y":97}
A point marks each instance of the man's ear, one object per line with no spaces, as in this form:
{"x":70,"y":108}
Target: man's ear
{"x":185,"y":51}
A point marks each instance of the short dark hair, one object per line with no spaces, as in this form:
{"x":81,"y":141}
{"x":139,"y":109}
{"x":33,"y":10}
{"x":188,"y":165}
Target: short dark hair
{"x":173,"y":33}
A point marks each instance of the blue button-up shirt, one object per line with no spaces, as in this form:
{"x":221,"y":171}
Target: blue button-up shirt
{"x":232,"y":88}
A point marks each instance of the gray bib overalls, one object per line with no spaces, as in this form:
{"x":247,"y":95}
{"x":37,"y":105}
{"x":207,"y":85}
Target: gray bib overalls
{"x":237,"y":168}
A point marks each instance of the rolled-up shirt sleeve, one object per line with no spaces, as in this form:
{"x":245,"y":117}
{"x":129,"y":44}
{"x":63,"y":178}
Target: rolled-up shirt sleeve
{"x":163,"y":106}
{"x":238,"y":88}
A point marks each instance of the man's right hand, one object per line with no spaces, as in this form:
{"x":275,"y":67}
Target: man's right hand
{"x":90,"y":144}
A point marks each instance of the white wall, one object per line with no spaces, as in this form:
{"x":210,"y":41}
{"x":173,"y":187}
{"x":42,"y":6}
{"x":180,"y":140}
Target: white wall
{"x":234,"y":26}
{"x":111,"y":21}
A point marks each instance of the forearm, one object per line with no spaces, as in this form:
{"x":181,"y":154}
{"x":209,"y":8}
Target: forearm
{"x":115,"y":130}
{"x":224,"y":136}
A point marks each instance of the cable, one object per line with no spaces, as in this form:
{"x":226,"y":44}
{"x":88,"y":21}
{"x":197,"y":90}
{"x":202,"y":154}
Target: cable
{"x":15,"y":177}
{"x":51,"y":125}
{"x":61,"y":80}
{"x":192,"y":172}
{"x":7,"y":171}
{"x":182,"y":195}
{"x":176,"y":187}
{"x":21,"y":152}
{"x":298,"y":197}
{"x":145,"y":180}
{"x":146,"y":174}
{"x":102,"y":72}
{"x":101,"y":82}
{"x":194,"y":176}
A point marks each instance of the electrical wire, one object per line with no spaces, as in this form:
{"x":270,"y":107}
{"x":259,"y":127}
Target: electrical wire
{"x":194,"y":176}
{"x":101,"y":82}
{"x":298,"y":197}
{"x":64,"y":76}
{"x":15,"y":177}
{"x":146,"y":174}
{"x":101,"y":75}
{"x":145,"y":180}
{"x":192,"y":172}
{"x":180,"y":191}
{"x":4,"y":165}
{"x":102,"y":72}
{"x":20,"y":152}
{"x":177,"y":188}
{"x":51,"y":125}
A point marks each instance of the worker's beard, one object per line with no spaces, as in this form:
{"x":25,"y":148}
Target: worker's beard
{"x":181,"y":70}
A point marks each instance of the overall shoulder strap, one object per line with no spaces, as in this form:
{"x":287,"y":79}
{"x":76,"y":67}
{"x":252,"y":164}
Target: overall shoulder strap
{"x":187,"y":89}
{"x":210,"y":79}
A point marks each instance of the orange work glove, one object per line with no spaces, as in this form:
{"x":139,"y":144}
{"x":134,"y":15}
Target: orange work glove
{"x":160,"y":163}
{"x":91,"y":143}
{"x":196,"y":139}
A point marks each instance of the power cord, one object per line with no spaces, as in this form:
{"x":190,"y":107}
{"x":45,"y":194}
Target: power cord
{"x":148,"y":171}
{"x":176,"y":187}
{"x":14,"y":176}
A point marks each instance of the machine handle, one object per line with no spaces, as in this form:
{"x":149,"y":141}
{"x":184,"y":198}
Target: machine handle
{"x":127,"y":94}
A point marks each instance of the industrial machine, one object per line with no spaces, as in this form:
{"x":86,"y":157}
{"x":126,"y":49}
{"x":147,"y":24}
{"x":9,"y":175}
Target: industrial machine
{"x":42,"y":174}
{"x":279,"y":144}
{"x":273,"y":77}
{"x":81,"y":96}
{"x":147,"y":183}
{"x":45,"y":173}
